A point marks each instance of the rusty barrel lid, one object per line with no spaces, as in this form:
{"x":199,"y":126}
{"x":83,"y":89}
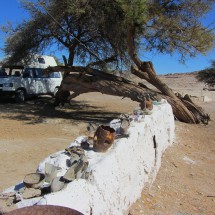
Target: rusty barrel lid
{"x":44,"y":210}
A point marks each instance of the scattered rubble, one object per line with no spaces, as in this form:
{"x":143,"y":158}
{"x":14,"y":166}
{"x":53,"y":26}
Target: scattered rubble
{"x":76,"y":163}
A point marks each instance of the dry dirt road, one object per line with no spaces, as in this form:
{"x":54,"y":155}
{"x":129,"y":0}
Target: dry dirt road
{"x":185,"y":183}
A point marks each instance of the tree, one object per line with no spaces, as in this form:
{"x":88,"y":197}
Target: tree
{"x":66,"y":24}
{"x":112,"y":32}
{"x":208,"y":75}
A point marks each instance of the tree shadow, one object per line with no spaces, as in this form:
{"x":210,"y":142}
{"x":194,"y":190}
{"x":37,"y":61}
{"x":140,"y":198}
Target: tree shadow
{"x":35,"y":111}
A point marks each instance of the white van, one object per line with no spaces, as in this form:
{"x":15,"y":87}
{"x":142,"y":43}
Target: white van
{"x":24,"y":81}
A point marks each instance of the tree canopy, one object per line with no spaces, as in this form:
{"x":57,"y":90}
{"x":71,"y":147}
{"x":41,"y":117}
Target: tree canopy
{"x":97,"y":30}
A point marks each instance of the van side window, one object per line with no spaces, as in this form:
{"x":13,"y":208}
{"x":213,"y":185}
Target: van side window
{"x":28,"y":73}
{"x":54,"y":75}
{"x":41,"y":60}
{"x":39,"y":73}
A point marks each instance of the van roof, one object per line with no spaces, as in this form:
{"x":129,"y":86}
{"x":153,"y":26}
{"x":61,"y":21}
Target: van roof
{"x":36,"y":61}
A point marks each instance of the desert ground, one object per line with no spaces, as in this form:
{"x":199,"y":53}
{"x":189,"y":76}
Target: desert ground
{"x":185,"y":183}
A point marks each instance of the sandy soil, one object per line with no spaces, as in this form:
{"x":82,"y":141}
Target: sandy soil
{"x":29,"y":132}
{"x":185,"y":183}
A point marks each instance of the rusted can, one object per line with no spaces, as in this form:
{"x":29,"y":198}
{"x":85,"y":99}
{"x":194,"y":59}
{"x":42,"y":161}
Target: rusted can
{"x":103,"y":138}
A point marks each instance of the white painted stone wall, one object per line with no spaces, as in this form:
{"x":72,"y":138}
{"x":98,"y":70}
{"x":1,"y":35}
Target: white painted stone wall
{"x":119,"y":175}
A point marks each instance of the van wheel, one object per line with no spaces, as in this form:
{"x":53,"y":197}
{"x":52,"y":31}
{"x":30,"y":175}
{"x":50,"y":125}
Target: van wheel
{"x":20,"y":96}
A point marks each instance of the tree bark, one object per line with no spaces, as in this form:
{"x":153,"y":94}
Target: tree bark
{"x":183,"y":110}
{"x":81,"y":80}
{"x":84,"y":80}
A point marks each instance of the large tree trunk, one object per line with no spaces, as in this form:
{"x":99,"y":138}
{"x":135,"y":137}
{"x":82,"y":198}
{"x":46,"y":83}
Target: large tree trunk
{"x":183,"y":110}
{"x":81,"y":80}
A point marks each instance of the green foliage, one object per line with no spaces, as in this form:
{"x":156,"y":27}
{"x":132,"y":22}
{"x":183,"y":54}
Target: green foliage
{"x":135,"y":12}
{"x":174,"y":26}
{"x":75,"y":26}
{"x":207,"y":75}
{"x":97,"y":29}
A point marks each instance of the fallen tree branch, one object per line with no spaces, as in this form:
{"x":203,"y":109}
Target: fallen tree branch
{"x":107,"y":85}
{"x":81,"y":80}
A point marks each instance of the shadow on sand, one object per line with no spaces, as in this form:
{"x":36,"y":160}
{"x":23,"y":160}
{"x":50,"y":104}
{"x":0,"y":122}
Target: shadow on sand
{"x":36,"y":110}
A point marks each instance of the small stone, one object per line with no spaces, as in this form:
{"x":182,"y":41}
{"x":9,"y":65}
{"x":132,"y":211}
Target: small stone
{"x":83,"y":158}
{"x":78,"y":169}
{"x":6,"y":199}
{"x":86,"y":175}
{"x":7,"y":202}
{"x":146,"y":171}
{"x":10,"y":194}
{"x":74,"y":158}
{"x":10,"y":201}
{"x":159,"y":206}
{"x":188,"y":160}
{"x":75,"y":149}
{"x":124,"y":126}
{"x":53,"y":155}
{"x":70,"y":174}
{"x":57,"y":184}
{"x":31,"y":193}
{"x":148,"y":199}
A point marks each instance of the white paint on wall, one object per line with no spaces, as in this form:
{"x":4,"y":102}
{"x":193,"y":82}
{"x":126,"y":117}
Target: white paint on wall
{"x":119,"y":175}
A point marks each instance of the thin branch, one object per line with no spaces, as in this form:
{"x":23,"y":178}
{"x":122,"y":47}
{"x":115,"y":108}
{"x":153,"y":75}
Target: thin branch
{"x":107,"y":60}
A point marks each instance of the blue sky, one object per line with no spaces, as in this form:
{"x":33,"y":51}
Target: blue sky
{"x":11,"y":11}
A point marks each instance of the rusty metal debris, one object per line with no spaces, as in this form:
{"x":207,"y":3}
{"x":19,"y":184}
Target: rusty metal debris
{"x":45,"y":209}
{"x":103,"y":138}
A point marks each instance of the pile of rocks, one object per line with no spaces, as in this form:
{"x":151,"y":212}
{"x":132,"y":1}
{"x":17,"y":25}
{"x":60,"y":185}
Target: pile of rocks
{"x":38,"y":184}
{"x":8,"y":201}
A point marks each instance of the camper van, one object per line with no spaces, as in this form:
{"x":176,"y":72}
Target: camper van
{"x":21,"y":82}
